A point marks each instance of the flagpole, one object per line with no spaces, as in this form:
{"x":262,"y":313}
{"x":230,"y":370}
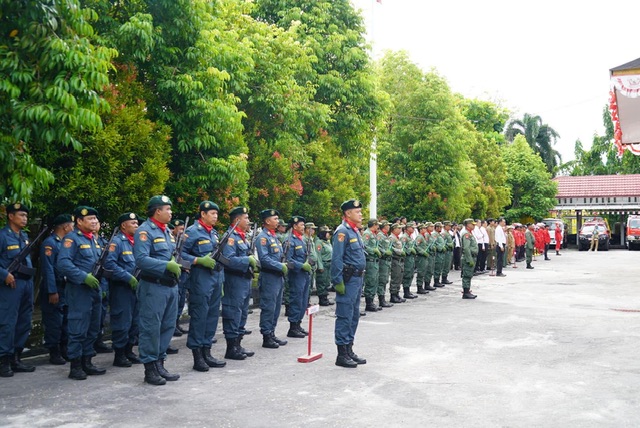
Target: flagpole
{"x":373,"y":158}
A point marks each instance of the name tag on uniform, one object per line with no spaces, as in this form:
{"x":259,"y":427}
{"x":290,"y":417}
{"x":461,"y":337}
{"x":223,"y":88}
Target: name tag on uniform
{"x":13,"y":247}
{"x":159,"y":240}
{"x":85,"y":246}
{"x":206,"y":241}
{"x":352,"y":240}
{"x":127,"y":253}
{"x":298,"y":247}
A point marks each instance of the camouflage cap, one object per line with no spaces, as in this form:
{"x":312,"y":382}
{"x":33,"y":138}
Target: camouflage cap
{"x":383,"y":223}
{"x":446,"y":223}
{"x":428,"y":224}
{"x":324,"y":229}
{"x":411,"y":224}
{"x":396,"y":226}
{"x":468,"y":221}
{"x":438,"y":224}
{"x":281,"y":222}
{"x":310,"y":225}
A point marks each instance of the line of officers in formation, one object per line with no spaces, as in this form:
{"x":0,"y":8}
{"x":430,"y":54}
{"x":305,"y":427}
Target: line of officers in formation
{"x":142,"y":271}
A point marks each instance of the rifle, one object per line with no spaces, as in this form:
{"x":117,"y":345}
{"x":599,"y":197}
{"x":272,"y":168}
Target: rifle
{"x":252,"y":248}
{"x":285,"y":249}
{"x":217,"y":254}
{"x":177,"y":251}
{"x":98,"y":269}
{"x":16,"y":265}
{"x":309,"y":245}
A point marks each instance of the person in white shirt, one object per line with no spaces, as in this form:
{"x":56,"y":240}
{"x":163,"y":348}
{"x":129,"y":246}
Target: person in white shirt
{"x":477,"y":234}
{"x":501,"y":244}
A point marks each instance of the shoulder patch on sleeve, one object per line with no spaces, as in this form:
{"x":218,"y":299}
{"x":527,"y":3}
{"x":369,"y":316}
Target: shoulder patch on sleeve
{"x":143,"y":236}
{"x":230,"y":242}
{"x":68,"y":243}
{"x":48,"y":251}
{"x":263,"y":241}
{"x":112,"y":247}
{"x":341,"y":237}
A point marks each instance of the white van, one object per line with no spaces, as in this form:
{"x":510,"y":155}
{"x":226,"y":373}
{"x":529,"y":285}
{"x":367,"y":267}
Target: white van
{"x":552,"y":223}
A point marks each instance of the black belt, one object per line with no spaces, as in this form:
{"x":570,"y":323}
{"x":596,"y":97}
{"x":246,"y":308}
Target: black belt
{"x":162,"y":281}
{"x":272,"y":271}
{"x":245,"y":275}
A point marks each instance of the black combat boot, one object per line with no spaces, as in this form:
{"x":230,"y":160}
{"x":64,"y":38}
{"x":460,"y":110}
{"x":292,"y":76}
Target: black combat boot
{"x":243,"y":350}
{"x":529,"y":266}
{"x":151,"y":375}
{"x":383,"y":302}
{"x":395,"y":298}
{"x":437,"y":284}
{"x":325,"y":301}
{"x":5,"y":366}
{"x":428,"y":286}
{"x":343,"y":359}
{"x":287,"y":311}
{"x":131,"y":356}
{"x":55,"y":357}
{"x":294,"y":332}
{"x":180,"y":328}
{"x":300,"y":329}
{"x":100,"y":347}
{"x":268,"y":342}
{"x":353,"y":355}
{"x":171,"y":350}
{"x":466,"y":294}
{"x":18,"y":366}
{"x":120,"y":359}
{"x":421,"y":290}
{"x":371,"y":307}
{"x":408,"y":294}
{"x":198,"y":361}
{"x":177,"y":332}
{"x":210,"y":360}
{"x":63,"y":351}
{"x":280,"y":342}
{"x":445,"y":280}
{"x":164,"y":373}
{"x":90,"y":369}
{"x":76,"y":372}
{"x":233,"y":353}
{"x":557,"y":253}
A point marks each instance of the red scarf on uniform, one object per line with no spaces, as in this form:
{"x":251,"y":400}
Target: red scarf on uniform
{"x":207,"y":228}
{"x":239,"y":232}
{"x":88,"y":235}
{"x":352,"y":225}
{"x":298,"y":234}
{"x":129,"y":237}
{"x":162,"y":226}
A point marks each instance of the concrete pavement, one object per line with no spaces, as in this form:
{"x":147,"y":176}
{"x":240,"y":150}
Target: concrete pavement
{"x":556,"y":346}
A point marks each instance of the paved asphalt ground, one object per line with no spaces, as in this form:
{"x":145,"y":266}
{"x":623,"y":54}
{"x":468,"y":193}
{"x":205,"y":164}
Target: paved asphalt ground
{"x":557,"y":346}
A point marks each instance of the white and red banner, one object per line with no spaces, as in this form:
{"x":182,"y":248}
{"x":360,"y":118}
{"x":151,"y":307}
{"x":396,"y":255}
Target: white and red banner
{"x":624,"y":105}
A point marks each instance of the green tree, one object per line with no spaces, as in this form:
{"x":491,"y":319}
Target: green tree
{"x":51,"y":76}
{"x":485,"y":152}
{"x":533,"y":192}
{"x":119,"y":166}
{"x":424,"y":167}
{"x":540,"y":137}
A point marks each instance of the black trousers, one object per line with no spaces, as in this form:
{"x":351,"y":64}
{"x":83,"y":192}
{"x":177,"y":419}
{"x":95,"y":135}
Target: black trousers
{"x":456,"y":257}
{"x":499,"y":259}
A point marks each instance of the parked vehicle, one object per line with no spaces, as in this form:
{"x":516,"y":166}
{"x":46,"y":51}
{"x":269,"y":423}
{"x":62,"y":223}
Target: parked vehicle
{"x":552,"y":222}
{"x":586,"y":232}
{"x":633,"y":232}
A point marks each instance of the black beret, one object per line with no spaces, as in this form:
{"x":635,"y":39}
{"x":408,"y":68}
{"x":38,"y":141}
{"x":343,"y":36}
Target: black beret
{"x":265,"y":214}
{"x":208,"y":206}
{"x":350,"y":204}
{"x":126,"y":217}
{"x":238,"y":211}
{"x":296,"y":219}
{"x":12,"y":208}
{"x":83,"y":211}
{"x":62,"y":219}
{"x":177,"y":222}
{"x":158,"y":201}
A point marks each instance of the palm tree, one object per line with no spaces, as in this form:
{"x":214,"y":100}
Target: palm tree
{"x":540,"y":136}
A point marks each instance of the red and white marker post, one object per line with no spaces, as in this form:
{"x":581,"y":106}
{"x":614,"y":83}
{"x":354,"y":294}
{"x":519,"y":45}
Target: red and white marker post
{"x":310,"y":356}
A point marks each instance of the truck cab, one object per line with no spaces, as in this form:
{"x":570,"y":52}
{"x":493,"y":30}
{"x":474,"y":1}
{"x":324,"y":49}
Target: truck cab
{"x":633,"y":232}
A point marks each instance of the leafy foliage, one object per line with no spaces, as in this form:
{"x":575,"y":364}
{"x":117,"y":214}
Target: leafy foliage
{"x":540,"y":137}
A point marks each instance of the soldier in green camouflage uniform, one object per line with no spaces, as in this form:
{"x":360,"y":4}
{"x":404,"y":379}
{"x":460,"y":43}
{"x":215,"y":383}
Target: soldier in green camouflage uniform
{"x":409,"y":261}
{"x":323,"y":276}
{"x":384,"y":264}
{"x":397,"y":263}
{"x":372,"y":254}
{"x":314,"y":260}
{"x":469,"y":255}
{"x":431,"y":257}
{"x":439,"y":247}
{"x":421,"y":258}
{"x":448,"y":253}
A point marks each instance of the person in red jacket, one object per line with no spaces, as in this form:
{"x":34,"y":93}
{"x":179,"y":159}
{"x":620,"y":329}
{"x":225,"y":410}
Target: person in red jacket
{"x":546,"y":239}
{"x":558,"y":236}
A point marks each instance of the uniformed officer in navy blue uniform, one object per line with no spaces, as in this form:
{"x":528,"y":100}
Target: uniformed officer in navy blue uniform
{"x":16,"y":293}
{"x":271,"y":281}
{"x":99,"y":345}
{"x":205,"y":286}
{"x":52,"y":289}
{"x":78,"y":255}
{"x":299,"y":272}
{"x":157,"y":289}
{"x":237,"y":283}
{"x":347,"y":269}
{"x":122,"y":291}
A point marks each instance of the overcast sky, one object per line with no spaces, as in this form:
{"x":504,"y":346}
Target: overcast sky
{"x":546,"y":58}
